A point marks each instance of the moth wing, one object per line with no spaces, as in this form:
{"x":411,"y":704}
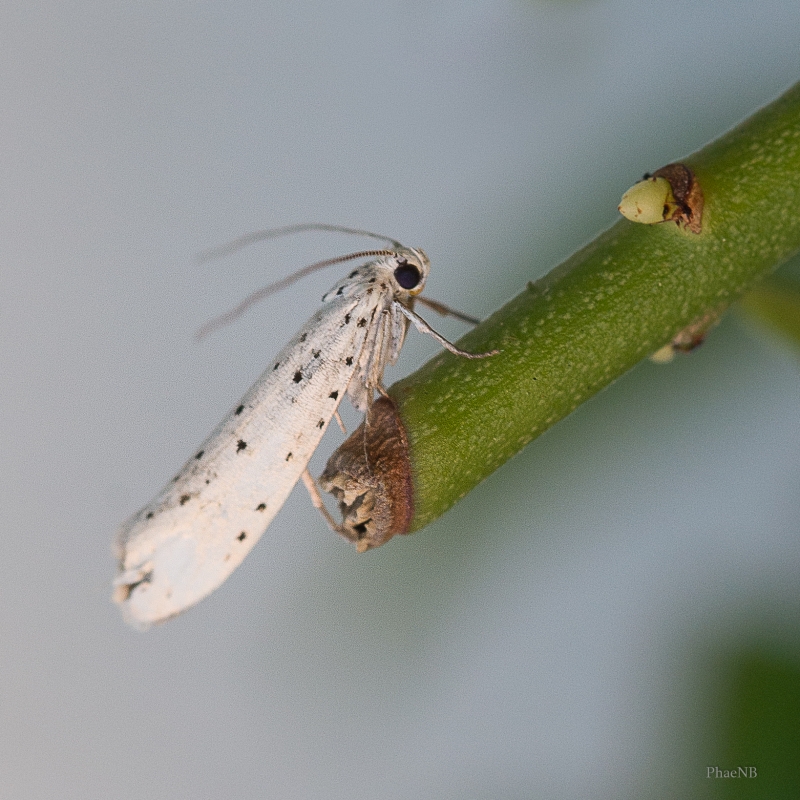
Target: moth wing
{"x":187,"y":541}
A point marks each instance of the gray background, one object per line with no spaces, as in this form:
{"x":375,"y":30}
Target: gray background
{"x":549,"y":636}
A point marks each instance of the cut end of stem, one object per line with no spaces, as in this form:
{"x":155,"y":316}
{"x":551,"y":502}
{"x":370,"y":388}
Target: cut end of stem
{"x":370,"y":477}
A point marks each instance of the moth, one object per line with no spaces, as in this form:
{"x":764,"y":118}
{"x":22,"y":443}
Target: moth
{"x":183,"y":544}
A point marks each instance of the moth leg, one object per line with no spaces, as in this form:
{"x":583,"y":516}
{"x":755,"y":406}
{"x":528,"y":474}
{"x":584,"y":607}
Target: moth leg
{"x":316,"y":499}
{"x":423,"y":327}
{"x":339,"y":420}
{"x":446,"y":311}
{"x":381,"y":391}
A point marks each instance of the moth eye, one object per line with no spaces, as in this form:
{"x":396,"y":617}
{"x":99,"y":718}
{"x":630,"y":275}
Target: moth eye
{"x":407,"y":275}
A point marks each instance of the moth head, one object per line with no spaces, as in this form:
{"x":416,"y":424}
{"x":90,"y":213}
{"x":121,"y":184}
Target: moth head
{"x":410,"y":269}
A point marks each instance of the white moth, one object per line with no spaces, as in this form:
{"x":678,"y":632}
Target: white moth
{"x":181,"y":546}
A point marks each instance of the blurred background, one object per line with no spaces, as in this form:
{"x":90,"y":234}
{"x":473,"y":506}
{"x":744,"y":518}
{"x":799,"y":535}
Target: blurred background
{"x":609,"y":615}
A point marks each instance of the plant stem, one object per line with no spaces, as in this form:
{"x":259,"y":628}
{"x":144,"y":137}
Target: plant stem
{"x":570,"y":334}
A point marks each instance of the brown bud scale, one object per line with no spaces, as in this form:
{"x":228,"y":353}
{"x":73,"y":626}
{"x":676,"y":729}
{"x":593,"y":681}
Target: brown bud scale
{"x":687,"y":193}
{"x":370,"y":477}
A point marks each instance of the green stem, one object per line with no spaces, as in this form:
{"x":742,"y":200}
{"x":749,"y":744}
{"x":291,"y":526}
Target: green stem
{"x":626,"y":294}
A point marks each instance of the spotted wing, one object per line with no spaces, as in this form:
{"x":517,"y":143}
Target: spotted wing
{"x":185,"y":543}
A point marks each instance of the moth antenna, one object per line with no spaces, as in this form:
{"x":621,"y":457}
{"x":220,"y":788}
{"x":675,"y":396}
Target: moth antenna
{"x":266,"y":291}
{"x":273,"y":233}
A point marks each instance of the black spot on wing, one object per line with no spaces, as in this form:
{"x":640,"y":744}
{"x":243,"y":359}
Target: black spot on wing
{"x":238,"y":411}
{"x":349,"y":361}
{"x":261,"y":507}
{"x":185,"y":498}
{"x":240,"y":445}
{"x":346,"y":319}
{"x":199,"y":455}
{"x":150,"y":515}
{"x":315,"y":353}
{"x":298,"y":376}
{"x":353,"y":274}
{"x":362,"y":323}
{"x":146,"y":578}
{"x":289,"y":457}
{"x":321,"y":423}
{"x":242,"y":536}
{"x":303,"y":337}
{"x":277,"y":364}
{"x":334,"y":395}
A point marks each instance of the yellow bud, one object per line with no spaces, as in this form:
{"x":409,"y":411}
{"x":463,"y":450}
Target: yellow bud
{"x":649,"y":201}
